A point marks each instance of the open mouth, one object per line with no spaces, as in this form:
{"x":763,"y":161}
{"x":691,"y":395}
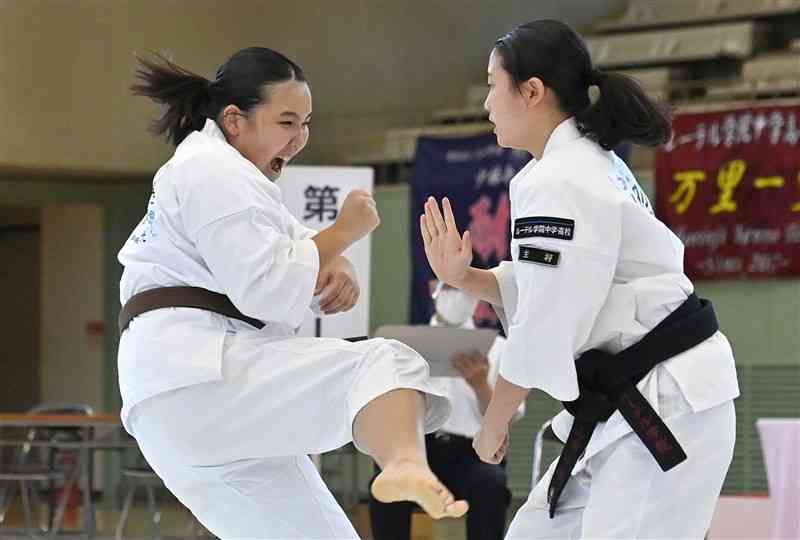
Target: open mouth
{"x":276,"y":166}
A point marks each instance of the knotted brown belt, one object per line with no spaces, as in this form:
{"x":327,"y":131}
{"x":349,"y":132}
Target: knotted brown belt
{"x":187,"y":297}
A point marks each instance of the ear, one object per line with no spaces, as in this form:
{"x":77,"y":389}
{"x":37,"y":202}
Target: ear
{"x":230,"y":120}
{"x":533,"y":91}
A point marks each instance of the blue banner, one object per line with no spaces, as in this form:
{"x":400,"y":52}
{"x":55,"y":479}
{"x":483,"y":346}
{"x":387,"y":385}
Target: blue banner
{"x":473,"y":172}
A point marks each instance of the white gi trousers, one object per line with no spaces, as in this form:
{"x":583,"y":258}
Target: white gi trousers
{"x":234,"y":451}
{"x":623,"y":493}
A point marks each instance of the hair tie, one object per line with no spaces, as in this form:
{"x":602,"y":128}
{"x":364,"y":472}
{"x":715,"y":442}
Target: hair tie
{"x":220,"y":73}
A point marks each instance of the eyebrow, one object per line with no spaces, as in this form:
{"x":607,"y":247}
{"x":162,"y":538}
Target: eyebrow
{"x":294,"y":115}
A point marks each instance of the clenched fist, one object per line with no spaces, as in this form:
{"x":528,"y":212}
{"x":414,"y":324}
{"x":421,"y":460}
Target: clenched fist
{"x":358,"y":216}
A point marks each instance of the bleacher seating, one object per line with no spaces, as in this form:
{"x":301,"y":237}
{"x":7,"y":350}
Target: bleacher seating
{"x":471,"y":111}
{"x":655,"y":81}
{"x":452,"y":115}
{"x":669,"y":47}
{"x":773,"y":74}
{"x":398,"y":145}
{"x":649,"y":14}
{"x":666,"y":47}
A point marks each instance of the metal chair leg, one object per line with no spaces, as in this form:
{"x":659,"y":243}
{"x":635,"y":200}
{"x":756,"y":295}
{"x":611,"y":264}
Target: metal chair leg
{"x":6,"y":496}
{"x":155,"y":513}
{"x":84,"y":465}
{"x":61,"y":507}
{"x":126,"y":509}
{"x":37,"y":509}
{"x":26,"y":507}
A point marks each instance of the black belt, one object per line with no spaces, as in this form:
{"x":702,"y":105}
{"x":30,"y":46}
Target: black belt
{"x":189,"y":297}
{"x":607,"y":383}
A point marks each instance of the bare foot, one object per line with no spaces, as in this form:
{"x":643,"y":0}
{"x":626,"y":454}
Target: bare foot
{"x":410,"y":481}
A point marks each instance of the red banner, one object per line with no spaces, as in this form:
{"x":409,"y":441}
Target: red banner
{"x":728,"y":184}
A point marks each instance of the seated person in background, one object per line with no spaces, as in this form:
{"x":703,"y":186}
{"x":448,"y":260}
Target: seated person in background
{"x":450,"y":453}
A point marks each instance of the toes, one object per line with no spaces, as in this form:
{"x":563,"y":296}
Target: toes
{"x":456,"y":509}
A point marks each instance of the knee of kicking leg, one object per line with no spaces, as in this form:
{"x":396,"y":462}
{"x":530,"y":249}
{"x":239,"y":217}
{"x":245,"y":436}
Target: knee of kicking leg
{"x":389,"y":363}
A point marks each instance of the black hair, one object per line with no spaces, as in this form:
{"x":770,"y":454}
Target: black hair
{"x":190,"y":99}
{"x":553,"y":52}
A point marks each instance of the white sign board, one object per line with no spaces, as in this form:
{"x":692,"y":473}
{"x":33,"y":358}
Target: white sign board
{"x":315,"y":195}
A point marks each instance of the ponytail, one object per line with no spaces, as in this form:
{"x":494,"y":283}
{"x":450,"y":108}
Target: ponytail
{"x":244,"y":80}
{"x":184,"y":95}
{"x":623,"y":112}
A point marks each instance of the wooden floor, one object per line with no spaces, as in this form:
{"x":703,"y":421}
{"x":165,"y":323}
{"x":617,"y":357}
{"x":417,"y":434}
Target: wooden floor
{"x":174,"y":520}
{"x":728,"y":522}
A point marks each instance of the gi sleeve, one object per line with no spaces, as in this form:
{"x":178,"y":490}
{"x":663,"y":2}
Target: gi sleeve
{"x":507,"y":283}
{"x":240,"y":231}
{"x":565,"y":243}
{"x":300,"y":231}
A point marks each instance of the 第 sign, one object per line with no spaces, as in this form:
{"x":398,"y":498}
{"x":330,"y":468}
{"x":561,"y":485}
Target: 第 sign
{"x":728,"y":185}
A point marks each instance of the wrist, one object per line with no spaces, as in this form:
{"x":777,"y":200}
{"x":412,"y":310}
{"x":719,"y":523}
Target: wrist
{"x":461,"y":281}
{"x":347,"y":266}
{"x":495,"y":420}
{"x":493,"y":428}
{"x":479,"y":384}
{"x":341,"y":237}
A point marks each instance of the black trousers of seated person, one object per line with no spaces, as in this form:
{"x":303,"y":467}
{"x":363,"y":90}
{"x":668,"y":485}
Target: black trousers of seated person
{"x":482,"y":485}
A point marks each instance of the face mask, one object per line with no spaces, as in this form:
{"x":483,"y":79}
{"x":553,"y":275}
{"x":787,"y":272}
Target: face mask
{"x":454,"y":306}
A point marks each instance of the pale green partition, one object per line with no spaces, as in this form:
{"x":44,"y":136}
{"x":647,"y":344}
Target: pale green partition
{"x":391,"y":258}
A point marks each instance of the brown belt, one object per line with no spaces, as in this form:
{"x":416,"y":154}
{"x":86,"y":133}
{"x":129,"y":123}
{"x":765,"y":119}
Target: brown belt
{"x":188,"y":297}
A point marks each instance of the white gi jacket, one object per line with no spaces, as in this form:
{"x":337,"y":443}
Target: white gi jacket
{"x":193,"y":207}
{"x":594,"y":268}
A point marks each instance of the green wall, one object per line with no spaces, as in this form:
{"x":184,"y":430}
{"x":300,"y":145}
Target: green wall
{"x":391,"y":259}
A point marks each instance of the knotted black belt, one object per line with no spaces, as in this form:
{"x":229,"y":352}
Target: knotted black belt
{"x":607,"y":383}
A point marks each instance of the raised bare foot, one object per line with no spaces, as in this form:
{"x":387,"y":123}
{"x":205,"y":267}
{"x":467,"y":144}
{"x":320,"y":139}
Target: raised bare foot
{"x":410,"y":481}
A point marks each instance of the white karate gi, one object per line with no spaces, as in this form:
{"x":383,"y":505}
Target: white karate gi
{"x":225,"y":413}
{"x":603,"y":282}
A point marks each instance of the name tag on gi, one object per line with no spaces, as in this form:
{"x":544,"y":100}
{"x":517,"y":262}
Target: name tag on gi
{"x":538,"y":256}
{"x":544,"y":227}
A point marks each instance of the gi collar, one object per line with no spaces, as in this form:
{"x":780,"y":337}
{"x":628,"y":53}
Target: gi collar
{"x":213,"y":130}
{"x":565,"y":132}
